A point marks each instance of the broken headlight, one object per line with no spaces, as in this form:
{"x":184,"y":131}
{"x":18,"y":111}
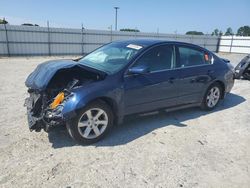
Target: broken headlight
{"x":58,"y":100}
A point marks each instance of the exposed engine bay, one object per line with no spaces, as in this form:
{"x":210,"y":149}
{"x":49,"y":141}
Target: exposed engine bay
{"x":45,"y":105}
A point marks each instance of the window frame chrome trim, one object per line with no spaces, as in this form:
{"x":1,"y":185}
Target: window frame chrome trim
{"x":150,"y":48}
{"x":175,"y":60}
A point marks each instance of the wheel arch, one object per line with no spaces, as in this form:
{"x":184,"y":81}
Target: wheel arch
{"x":222,"y":85}
{"x":111,"y":103}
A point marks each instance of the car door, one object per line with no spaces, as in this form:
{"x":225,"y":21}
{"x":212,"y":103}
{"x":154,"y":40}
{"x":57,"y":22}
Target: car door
{"x":156,"y":89}
{"x":196,"y":73}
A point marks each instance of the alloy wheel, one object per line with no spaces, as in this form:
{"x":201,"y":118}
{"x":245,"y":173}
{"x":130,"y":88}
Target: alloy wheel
{"x":213,"y":97}
{"x":93,"y":123}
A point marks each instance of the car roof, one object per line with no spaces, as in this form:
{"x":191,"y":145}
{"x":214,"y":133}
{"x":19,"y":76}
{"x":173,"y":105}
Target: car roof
{"x":151,"y":42}
{"x":141,"y":42}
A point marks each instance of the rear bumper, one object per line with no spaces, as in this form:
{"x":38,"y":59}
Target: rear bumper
{"x":229,"y":86}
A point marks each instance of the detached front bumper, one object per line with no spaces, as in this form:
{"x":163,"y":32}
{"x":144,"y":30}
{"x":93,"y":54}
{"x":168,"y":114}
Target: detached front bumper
{"x":40,"y":116}
{"x":46,"y":119}
{"x":34,"y":123}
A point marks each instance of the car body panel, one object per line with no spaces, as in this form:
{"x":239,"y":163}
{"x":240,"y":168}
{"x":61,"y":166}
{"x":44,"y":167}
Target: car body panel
{"x":44,"y":72}
{"x":128,"y":94}
{"x":158,"y":90}
{"x":192,"y":82}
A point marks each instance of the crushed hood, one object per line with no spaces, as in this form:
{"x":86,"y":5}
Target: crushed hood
{"x":43,"y":73}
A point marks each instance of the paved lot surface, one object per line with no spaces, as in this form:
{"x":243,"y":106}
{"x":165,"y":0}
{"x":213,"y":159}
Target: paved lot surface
{"x":188,"y":148}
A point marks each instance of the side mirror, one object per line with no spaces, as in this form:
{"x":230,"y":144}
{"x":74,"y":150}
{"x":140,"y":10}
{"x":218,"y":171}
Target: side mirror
{"x":138,"y":70}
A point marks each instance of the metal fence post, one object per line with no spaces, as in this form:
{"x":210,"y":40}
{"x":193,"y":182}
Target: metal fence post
{"x":82,"y":40}
{"x":219,"y":38}
{"x":48,"y":38}
{"x":205,"y":41}
{"x":135,"y":33}
{"x":231,"y":45}
{"x":7,"y":40}
{"x":175,"y":32}
{"x":111,"y":33}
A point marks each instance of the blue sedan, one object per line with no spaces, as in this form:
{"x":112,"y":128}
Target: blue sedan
{"x":93,"y":93}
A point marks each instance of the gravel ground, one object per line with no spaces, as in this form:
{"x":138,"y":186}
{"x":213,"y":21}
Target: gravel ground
{"x":187,"y":148}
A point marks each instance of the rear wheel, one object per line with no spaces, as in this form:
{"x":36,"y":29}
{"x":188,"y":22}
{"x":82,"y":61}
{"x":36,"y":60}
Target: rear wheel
{"x":212,"y":97}
{"x":92,"y":123}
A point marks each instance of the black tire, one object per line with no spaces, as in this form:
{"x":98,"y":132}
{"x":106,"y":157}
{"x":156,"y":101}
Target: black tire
{"x":205,"y":105}
{"x":76,"y":133}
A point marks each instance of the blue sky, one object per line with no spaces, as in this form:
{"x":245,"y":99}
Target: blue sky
{"x":146,"y":15}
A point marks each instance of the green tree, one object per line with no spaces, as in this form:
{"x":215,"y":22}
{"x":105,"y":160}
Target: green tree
{"x":29,"y":24}
{"x":130,"y":30}
{"x":215,"y":32}
{"x":220,"y":33}
{"x":3,"y":21}
{"x":244,"y":31}
{"x":229,"y":31}
{"x":194,"y":33}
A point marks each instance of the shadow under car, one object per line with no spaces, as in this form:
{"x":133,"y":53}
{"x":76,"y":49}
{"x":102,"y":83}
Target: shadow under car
{"x":135,"y":126}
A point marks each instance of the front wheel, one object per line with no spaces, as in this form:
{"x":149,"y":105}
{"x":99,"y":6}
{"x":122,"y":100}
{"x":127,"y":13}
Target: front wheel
{"x":92,"y":123}
{"x":212,"y":97}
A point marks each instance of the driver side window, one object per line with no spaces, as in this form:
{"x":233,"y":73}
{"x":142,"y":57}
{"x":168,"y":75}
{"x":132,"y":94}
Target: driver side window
{"x":157,"y":59}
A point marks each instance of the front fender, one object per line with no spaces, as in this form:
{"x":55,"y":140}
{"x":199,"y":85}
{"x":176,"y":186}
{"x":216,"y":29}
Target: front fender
{"x":70,"y":106}
{"x":80,"y":97}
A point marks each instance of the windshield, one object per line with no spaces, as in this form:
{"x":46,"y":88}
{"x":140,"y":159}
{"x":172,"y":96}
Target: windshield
{"x":112,"y":57}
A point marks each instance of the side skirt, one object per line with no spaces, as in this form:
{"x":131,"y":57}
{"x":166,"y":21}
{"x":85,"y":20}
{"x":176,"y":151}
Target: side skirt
{"x":170,"y":109}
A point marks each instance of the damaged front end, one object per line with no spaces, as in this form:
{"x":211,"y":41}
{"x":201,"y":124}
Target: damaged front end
{"x":45,"y":111}
{"x":50,"y":87}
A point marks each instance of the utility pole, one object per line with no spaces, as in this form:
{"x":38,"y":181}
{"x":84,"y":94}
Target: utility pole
{"x":116,"y":9}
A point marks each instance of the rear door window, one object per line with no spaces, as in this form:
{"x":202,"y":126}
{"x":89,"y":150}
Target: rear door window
{"x":192,"y":57}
